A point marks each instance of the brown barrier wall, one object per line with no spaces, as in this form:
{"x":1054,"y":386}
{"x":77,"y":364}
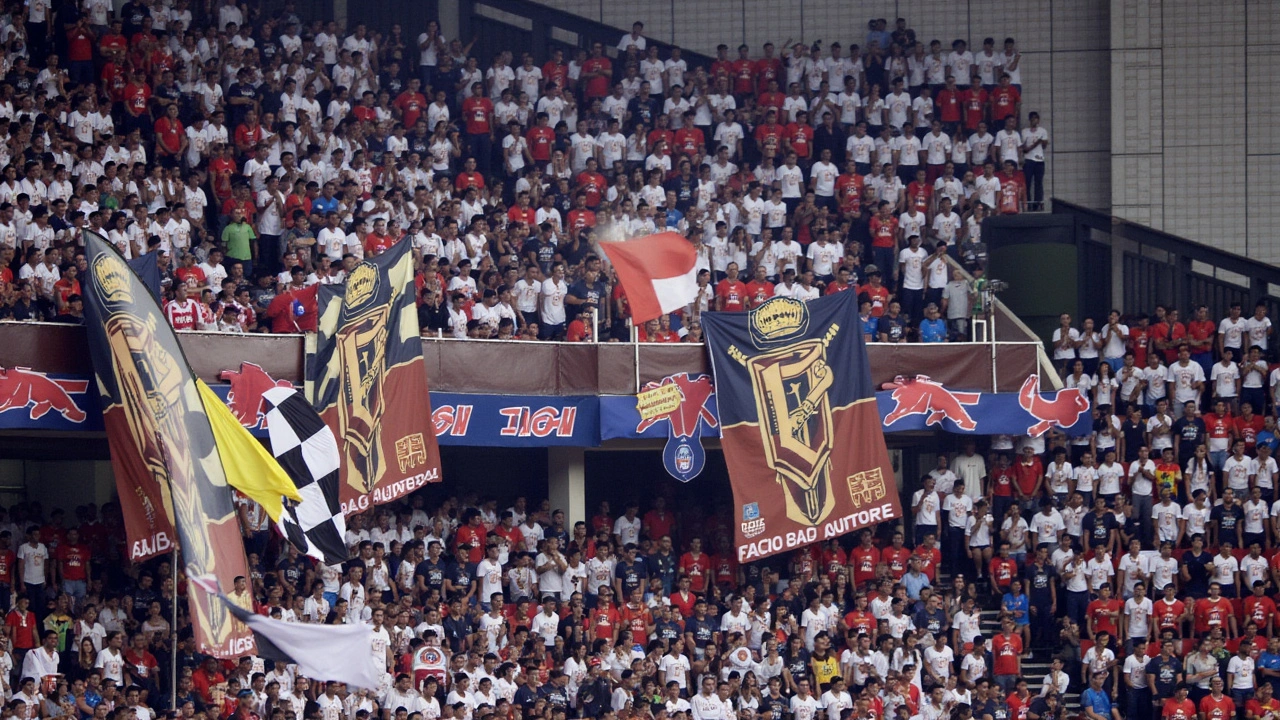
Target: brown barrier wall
{"x":521,"y":368}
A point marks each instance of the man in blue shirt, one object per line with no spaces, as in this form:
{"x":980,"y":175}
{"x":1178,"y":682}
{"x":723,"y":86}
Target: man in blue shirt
{"x":932,"y":328}
{"x":1269,"y":436}
{"x":1269,"y":663}
{"x":914,"y":580}
{"x":1095,"y":701}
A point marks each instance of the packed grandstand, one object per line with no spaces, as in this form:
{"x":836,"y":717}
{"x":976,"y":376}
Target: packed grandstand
{"x":1128,"y":572}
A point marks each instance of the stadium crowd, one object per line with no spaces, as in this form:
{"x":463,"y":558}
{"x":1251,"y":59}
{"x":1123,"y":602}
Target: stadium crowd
{"x":258,"y":154}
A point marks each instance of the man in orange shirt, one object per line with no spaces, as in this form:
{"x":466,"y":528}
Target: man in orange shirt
{"x":1215,"y":611}
{"x":597,"y":73}
{"x":477,"y":115}
{"x":1006,"y":101}
{"x":731,"y":292}
{"x":1104,"y":613}
{"x":878,"y":294}
{"x":884,"y":244}
{"x":1263,"y":703}
{"x":863,"y":559}
{"x":850,"y":187}
{"x":759,"y":289}
{"x":1179,"y":707}
{"x":896,"y":557}
{"x":696,"y":565}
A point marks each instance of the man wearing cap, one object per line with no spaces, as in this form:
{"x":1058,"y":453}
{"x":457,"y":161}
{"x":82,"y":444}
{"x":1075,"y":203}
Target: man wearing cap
{"x":246,"y":704}
{"x":1095,"y":701}
{"x":875,"y":291}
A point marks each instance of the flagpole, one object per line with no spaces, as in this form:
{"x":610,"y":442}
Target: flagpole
{"x":173,"y":654}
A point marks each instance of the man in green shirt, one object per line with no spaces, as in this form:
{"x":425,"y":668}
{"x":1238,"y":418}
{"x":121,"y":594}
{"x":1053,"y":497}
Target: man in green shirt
{"x":240,"y":241}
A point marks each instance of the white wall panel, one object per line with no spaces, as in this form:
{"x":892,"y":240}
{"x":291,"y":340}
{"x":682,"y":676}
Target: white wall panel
{"x":1136,"y":24}
{"x":1080,"y":24}
{"x":1203,"y":96}
{"x":1263,"y":209}
{"x":1195,"y":23}
{"x":767,"y":21}
{"x":1263,"y":98}
{"x":1027,"y":22}
{"x":1082,"y":177}
{"x":709,"y":23}
{"x":1080,"y":116}
{"x":1262,"y":25}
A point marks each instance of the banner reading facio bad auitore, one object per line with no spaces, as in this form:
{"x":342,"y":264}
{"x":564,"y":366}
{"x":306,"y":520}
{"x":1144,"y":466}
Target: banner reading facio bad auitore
{"x":366,"y":377}
{"x":799,"y":426}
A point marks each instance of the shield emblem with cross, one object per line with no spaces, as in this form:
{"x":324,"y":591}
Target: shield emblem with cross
{"x":790,"y":387}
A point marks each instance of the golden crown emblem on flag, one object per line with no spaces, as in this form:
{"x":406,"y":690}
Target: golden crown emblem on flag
{"x":778,"y":319}
{"x":112,"y":278}
{"x":361,"y":285}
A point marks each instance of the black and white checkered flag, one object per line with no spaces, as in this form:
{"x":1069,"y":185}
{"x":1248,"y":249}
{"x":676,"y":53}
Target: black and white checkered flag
{"x":308,"y":452}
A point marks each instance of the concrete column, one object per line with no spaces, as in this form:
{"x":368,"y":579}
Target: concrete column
{"x":450,"y":20}
{"x":566,"y":482}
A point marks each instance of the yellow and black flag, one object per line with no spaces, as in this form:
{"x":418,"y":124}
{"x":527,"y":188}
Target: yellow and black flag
{"x":366,"y":377}
{"x":169,"y":473}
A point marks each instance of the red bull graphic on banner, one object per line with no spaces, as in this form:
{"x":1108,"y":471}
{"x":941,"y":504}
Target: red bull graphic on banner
{"x":683,"y":402}
{"x":921,"y":396}
{"x":1066,"y":407}
{"x":245,"y":393}
{"x":38,"y":394}
{"x":31,"y":400}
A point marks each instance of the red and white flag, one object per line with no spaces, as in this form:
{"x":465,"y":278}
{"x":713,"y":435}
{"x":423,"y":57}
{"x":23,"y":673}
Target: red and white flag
{"x":657,"y":272}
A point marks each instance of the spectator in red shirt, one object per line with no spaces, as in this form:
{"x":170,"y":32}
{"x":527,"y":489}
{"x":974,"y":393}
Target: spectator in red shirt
{"x":477,"y":116}
{"x":798,"y":138}
{"x":1201,"y":333}
{"x":136,"y":97}
{"x":591,"y":185}
{"x":22,"y":624}
{"x":1006,"y":101}
{"x":658,"y":522}
{"x":974,"y":101}
{"x":597,"y":72}
{"x":743,"y":70}
{"x":1007,"y":649}
{"x":1029,"y":476}
{"x":768,"y":70}
{"x":411,"y":104}
{"x":877,"y":293}
{"x":541,"y":139}
{"x":884,"y":244}
{"x":696,"y":566}
{"x":469,"y":178}
{"x":378,"y":241}
{"x":72,"y":566}
{"x":283,"y":312}
{"x":731,"y":292}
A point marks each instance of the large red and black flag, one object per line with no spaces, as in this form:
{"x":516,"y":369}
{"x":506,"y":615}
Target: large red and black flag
{"x":799,"y":426}
{"x":167,"y":460}
{"x":366,"y":377}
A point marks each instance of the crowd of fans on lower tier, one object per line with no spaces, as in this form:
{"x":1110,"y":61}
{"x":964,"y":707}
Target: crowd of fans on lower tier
{"x":1144,"y":581}
{"x":260,"y":153}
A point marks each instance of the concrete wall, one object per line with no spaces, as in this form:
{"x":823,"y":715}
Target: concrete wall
{"x":1064,"y":44}
{"x":1193,"y":96}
